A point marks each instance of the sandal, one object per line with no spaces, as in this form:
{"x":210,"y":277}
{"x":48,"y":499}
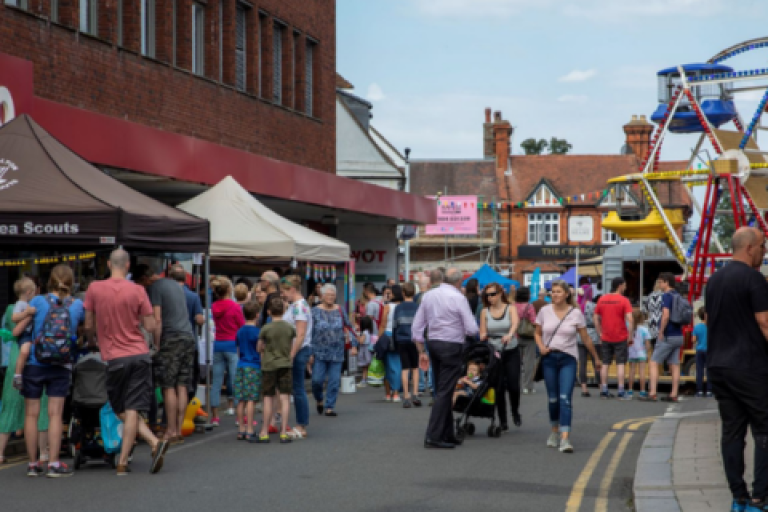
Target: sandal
{"x":248,"y":437}
{"x":331,"y":413}
{"x":669,"y":399}
{"x":296,"y":433}
{"x":259,"y":440}
{"x":285,"y":439}
{"x":241,"y":436}
{"x":649,"y":398}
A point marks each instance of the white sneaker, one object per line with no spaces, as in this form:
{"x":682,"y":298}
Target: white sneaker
{"x":566,"y":446}
{"x":554,"y":440}
{"x":396,"y":398}
{"x":230,"y":412}
{"x":362,"y":384}
{"x":525,"y":391}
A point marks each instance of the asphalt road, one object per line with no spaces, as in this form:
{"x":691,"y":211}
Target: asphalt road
{"x":370,"y":458}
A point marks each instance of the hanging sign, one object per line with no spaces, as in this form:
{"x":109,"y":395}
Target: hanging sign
{"x":456,"y":215}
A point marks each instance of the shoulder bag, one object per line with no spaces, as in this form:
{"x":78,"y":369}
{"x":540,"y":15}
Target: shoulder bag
{"x":525,"y":328}
{"x":539,"y":375}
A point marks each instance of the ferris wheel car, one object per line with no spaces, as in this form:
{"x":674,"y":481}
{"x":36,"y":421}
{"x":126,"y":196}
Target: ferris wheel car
{"x":716,"y":99}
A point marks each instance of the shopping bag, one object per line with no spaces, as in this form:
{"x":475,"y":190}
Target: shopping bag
{"x":376,"y":373}
{"x":6,"y":341}
{"x":111,"y":430}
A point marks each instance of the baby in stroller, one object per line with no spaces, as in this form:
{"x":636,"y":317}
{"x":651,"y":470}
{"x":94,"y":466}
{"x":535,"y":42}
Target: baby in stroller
{"x":470,"y":383}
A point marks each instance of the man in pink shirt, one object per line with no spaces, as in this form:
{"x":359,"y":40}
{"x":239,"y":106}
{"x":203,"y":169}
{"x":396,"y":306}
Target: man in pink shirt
{"x":445,"y":312}
{"x":114,"y":308}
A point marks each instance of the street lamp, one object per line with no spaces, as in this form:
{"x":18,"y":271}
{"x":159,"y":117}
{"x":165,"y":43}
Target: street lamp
{"x":407,"y":191}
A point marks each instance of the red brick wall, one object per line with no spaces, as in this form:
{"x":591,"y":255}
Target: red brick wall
{"x":94,"y":74}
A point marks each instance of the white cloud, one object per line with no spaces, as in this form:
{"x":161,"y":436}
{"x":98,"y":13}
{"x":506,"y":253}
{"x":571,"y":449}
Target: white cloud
{"x":573,"y":98}
{"x":375,"y":93}
{"x":476,"y":8}
{"x":578,"y":76}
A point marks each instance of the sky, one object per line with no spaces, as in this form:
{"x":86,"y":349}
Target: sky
{"x":572,"y":69}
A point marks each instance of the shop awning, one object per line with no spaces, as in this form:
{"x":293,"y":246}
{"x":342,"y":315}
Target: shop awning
{"x":49,"y":196}
{"x":243,"y":227}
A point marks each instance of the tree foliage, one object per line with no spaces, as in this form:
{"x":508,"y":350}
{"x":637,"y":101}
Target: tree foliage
{"x":538,"y":147}
{"x":724,"y":225}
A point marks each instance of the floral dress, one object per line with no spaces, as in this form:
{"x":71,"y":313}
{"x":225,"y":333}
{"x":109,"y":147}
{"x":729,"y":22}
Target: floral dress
{"x":328,"y":334}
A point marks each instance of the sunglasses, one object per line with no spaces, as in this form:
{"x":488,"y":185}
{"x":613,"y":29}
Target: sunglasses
{"x":491,"y":294}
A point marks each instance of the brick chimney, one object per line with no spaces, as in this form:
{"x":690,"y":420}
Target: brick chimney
{"x":638,"y":132}
{"x":488,"y":151}
{"x":502,"y":133}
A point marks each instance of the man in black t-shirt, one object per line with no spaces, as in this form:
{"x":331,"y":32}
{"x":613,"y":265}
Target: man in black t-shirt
{"x":737,"y":362}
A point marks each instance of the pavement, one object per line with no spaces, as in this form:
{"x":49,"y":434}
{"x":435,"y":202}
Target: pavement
{"x":680,"y":467}
{"x":371,"y":458}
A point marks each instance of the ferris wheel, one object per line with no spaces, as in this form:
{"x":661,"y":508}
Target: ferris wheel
{"x":700,"y":98}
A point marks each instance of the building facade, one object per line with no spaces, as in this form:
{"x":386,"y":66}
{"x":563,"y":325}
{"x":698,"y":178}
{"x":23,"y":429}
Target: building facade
{"x":546,"y":207}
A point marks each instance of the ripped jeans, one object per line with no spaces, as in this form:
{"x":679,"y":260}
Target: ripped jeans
{"x":559,"y":371}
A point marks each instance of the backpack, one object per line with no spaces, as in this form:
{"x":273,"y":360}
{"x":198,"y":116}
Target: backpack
{"x":401,"y":323}
{"x":682,"y":311}
{"x":53,"y":342}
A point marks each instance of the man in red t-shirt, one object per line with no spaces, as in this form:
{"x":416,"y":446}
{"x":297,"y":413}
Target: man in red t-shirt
{"x":613,"y":323}
{"x":114,"y":308}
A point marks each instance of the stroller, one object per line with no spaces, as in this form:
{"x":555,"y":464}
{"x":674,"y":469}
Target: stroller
{"x":483,"y":402}
{"x":89,"y":395}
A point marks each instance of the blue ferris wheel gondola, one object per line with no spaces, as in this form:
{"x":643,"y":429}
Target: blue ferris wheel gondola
{"x":716,"y":100}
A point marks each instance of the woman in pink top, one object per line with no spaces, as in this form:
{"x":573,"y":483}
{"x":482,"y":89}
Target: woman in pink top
{"x":228,"y":319}
{"x":558,"y":326}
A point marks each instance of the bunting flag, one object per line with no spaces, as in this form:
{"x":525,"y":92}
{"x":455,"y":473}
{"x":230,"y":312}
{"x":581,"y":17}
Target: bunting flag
{"x":309,"y":271}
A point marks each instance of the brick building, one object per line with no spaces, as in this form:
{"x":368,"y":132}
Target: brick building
{"x":541,"y":200}
{"x":171,"y":96}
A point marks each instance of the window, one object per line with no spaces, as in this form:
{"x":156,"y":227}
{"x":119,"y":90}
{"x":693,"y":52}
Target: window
{"x":309,"y":76}
{"x":277,"y":61}
{"x":148,"y":28}
{"x":21,"y":4}
{"x":240,"y":42}
{"x":543,"y":228}
{"x":609,"y":237}
{"x":198,"y":39}
{"x":543,"y":197}
{"x":89,"y":18}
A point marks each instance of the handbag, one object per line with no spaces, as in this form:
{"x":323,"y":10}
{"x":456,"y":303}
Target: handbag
{"x":539,"y":375}
{"x":526,"y":329}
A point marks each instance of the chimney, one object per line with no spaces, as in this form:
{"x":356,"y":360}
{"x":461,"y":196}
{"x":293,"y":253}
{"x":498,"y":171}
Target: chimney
{"x":638,"y":132}
{"x":502,"y":133}
{"x":488,"y":151}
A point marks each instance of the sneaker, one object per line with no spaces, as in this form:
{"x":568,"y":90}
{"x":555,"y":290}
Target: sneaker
{"x":585,"y":394}
{"x":362,"y":384}
{"x":158,"y":456}
{"x":622,"y":395}
{"x":710,"y":395}
{"x":629,"y":395}
{"x":407,"y":404}
{"x":739,"y":505}
{"x":388,"y":398}
{"x":215,"y":422}
{"x":396,"y":398}
{"x":699,"y":394}
{"x":553,"y":440}
{"x":525,"y":391}
{"x":642,"y":395}
{"x":123,"y":470}
{"x":230,"y":412}
{"x":416,"y":402}
{"x":751,"y":506}
{"x":60,"y":471}
{"x":34,"y":470}
{"x":566,"y":446}
{"x":605,"y":395}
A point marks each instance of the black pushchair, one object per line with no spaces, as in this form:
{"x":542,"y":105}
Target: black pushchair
{"x":484,"y":400}
{"x":89,"y":395}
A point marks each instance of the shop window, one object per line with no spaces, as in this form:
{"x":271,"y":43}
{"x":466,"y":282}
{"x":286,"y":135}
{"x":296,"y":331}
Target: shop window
{"x":240,"y":42}
{"x":148,"y":28}
{"x":277,"y":63}
{"x":89,"y":16}
{"x":309,"y":76}
{"x":543,"y":228}
{"x":198,"y":39}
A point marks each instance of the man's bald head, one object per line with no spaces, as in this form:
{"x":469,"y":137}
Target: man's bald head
{"x":119,"y":260}
{"x":453,"y":276}
{"x":749,"y":246}
{"x":743,"y":238}
{"x":436,"y":277}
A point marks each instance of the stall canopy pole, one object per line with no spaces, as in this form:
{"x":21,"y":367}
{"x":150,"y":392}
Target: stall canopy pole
{"x":207,"y":334}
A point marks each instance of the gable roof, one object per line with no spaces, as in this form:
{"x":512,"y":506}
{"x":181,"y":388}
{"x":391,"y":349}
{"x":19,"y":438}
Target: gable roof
{"x":543,"y":182}
{"x":342,"y":83}
{"x":457,"y":177}
{"x":356,"y":150}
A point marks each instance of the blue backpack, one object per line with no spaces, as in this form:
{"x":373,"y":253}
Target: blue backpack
{"x":402,"y":322}
{"x":53,"y":344}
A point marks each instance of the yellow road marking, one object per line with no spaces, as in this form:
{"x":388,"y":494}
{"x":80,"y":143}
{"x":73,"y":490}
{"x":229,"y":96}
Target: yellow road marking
{"x":633,"y":427}
{"x":577,"y":493}
{"x":12,"y":465}
{"x":622,"y":424}
{"x":601,"y":505}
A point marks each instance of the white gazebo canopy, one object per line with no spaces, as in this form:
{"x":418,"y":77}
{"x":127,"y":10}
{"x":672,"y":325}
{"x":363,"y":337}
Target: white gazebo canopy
{"x":243,"y":227}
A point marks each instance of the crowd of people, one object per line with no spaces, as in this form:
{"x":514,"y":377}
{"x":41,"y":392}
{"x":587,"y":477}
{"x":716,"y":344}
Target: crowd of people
{"x":268,"y":338}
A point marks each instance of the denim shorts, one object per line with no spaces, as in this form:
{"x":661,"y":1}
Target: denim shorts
{"x":55,"y":380}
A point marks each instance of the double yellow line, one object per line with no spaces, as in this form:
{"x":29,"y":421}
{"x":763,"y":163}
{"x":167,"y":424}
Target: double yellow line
{"x":577,"y":492}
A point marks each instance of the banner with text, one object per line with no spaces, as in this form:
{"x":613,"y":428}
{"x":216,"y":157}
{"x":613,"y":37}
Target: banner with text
{"x":456,"y":215}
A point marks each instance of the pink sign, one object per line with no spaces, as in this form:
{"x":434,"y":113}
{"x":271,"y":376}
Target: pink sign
{"x":456,"y":215}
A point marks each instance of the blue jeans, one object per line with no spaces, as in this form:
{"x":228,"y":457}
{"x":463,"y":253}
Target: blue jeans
{"x":222,"y":361}
{"x":393,"y":372}
{"x":559,"y":371}
{"x":300,"y":402}
{"x":701,"y":367}
{"x":331,"y":370}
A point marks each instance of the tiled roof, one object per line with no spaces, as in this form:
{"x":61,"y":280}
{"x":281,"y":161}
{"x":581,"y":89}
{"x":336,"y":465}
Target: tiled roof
{"x":458,"y":177}
{"x":341,"y":83}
